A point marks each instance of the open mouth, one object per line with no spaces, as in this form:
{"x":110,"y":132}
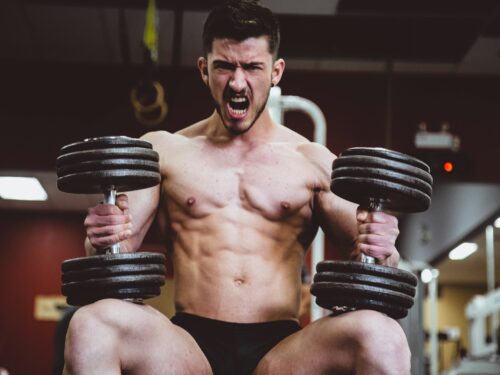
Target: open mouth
{"x":238,"y":106}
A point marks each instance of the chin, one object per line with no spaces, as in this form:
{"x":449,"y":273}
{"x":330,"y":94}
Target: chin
{"x":237,"y":130}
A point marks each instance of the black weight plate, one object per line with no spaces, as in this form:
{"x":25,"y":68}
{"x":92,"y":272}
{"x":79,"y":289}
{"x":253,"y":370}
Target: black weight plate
{"x":387,"y":154}
{"x":105,"y":142}
{"x":97,"y":165}
{"x":140,"y":293}
{"x":106,"y":260}
{"x":111,"y":283}
{"x":356,"y":278}
{"x":394,"y":311}
{"x":396,"y":197}
{"x":331,"y":289}
{"x":99,"y":181}
{"x":116,"y":270}
{"x":384,"y":175}
{"x":367,"y":269}
{"x":107,"y":153}
{"x":386,"y":164}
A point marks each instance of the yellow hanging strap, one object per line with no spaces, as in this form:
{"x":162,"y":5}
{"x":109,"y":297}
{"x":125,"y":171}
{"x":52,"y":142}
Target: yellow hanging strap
{"x":150,"y":37}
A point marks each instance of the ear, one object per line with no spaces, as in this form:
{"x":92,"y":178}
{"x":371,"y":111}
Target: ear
{"x":203,"y":68}
{"x":277,"y":72}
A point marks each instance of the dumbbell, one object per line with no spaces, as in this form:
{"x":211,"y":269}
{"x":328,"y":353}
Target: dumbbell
{"x":107,"y":165}
{"x":376,"y":179}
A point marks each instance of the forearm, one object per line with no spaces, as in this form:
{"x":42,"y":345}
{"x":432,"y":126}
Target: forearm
{"x":338,"y":220}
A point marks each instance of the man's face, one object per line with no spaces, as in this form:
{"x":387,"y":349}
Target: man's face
{"x":239,"y":76}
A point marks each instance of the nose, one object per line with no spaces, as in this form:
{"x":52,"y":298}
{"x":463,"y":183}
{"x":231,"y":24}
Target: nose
{"x":238,"y":80}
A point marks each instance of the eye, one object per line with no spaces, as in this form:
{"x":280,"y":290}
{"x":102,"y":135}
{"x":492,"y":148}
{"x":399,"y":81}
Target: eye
{"x":223,"y":66}
{"x":252,"y":67}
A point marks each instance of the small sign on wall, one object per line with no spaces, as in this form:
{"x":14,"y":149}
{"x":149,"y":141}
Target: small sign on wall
{"x":49,"y":307}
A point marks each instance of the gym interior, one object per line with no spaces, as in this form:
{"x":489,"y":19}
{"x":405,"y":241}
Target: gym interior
{"x":421,"y":78}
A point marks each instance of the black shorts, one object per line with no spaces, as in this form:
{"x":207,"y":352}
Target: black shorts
{"x":234,"y":348}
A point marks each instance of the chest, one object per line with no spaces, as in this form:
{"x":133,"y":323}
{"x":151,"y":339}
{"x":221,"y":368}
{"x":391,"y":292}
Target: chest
{"x":275,"y":181}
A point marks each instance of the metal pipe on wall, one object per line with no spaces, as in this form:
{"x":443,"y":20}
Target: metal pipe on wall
{"x":277,"y":105}
{"x":490,"y":272}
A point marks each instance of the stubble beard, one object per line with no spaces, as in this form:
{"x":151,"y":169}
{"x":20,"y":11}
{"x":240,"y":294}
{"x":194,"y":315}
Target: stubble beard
{"x":232,"y":130}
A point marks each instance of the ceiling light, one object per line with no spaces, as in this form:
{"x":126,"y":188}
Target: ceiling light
{"x":22,"y":188}
{"x":497,"y":223}
{"x":462,"y":251}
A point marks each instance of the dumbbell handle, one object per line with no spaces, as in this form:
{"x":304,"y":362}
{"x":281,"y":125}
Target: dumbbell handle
{"x":110,"y":198}
{"x":373,"y":205}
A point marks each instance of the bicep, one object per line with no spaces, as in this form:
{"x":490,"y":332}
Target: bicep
{"x":336,"y":216}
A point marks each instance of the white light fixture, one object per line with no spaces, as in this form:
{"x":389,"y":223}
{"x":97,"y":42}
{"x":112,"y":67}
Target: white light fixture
{"x":497,"y":223}
{"x":462,"y":251}
{"x":22,"y":188}
{"x":428,"y":275}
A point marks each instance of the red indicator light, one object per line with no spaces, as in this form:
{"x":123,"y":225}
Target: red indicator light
{"x":448,"y":166}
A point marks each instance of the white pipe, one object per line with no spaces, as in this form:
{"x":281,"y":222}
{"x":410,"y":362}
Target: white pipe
{"x":290,"y":102}
{"x":277,"y":105}
{"x":433,"y":329}
{"x":490,"y":272}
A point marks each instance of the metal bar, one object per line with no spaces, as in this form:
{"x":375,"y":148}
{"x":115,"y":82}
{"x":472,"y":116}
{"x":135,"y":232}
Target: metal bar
{"x":110,"y":198}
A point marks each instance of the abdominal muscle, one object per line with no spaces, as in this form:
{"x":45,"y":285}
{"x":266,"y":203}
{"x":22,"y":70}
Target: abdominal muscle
{"x":237,"y":268}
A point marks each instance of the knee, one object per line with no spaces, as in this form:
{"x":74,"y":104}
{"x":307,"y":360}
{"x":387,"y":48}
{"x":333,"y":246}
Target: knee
{"x":91,"y":319}
{"x":93,"y":327}
{"x":381,"y":344}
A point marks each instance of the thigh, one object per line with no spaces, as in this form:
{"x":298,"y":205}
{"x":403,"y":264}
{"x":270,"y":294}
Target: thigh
{"x":138,"y":338}
{"x":330,"y":345}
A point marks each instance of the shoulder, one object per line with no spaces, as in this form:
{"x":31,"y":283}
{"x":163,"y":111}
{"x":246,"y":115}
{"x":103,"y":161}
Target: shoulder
{"x":310,"y":150}
{"x":316,"y":152}
{"x":320,"y":159}
{"x":162,"y":138}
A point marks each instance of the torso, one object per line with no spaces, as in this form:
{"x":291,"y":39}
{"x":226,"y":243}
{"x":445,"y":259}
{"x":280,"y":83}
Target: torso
{"x":240,"y":219}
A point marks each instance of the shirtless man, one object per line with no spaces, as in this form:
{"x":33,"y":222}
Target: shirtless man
{"x":241,"y":199}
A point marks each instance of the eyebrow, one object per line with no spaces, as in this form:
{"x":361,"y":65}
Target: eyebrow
{"x":229,"y":65}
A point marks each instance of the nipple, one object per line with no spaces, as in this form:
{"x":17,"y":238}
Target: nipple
{"x":285,"y":205}
{"x":191,"y":201}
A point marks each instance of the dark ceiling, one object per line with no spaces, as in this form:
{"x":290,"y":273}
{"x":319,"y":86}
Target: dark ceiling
{"x":447,"y":35}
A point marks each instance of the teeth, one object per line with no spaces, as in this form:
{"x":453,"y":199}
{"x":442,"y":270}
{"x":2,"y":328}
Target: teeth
{"x":238,"y":111}
{"x":238,"y":99}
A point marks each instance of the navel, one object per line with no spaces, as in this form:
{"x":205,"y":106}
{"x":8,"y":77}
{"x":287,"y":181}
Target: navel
{"x":191,"y":201}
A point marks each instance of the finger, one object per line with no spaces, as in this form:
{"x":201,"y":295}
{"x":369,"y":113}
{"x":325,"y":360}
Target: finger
{"x":380,"y":217}
{"x":100,"y":242}
{"x":377,"y":228}
{"x":109,"y":230}
{"x":375,"y":239}
{"x":105,"y":220}
{"x":122,"y":202}
{"x":378,"y":252}
{"x":104,"y":209}
{"x":361,"y":214}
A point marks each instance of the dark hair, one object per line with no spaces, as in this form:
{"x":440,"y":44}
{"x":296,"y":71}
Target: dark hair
{"x":239,"y":20}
